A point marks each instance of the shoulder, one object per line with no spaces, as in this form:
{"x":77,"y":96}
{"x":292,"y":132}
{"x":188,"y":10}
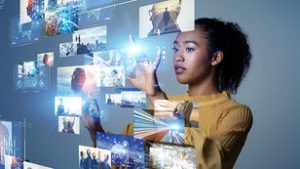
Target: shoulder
{"x":235,"y":112}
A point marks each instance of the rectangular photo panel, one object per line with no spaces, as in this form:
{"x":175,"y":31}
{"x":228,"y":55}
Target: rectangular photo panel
{"x":12,"y":162}
{"x":120,"y":57}
{"x":45,"y":59}
{"x":171,"y":156}
{"x":61,"y":20}
{"x":90,"y":40}
{"x":6,"y":142}
{"x":68,"y":106}
{"x":67,"y":49}
{"x":113,"y":99}
{"x":183,"y":108}
{"x":31,"y":77}
{"x":28,"y":165}
{"x":11,"y":142}
{"x":127,"y":151}
{"x":94,"y":158}
{"x":132,"y":97}
{"x":112,"y":76}
{"x":69,"y":124}
{"x":28,"y":26}
{"x":166,"y":17}
{"x":77,"y":80}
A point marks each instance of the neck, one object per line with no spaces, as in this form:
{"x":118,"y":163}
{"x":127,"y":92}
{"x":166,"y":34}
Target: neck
{"x":205,"y":87}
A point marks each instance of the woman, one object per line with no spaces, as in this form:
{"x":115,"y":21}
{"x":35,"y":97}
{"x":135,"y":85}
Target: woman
{"x":212,"y":60}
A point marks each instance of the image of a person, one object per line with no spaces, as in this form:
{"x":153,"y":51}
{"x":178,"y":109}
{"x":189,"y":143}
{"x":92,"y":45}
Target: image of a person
{"x":95,"y":164}
{"x":46,"y":59}
{"x":183,"y":111}
{"x":116,"y":79}
{"x":78,"y":80}
{"x":60,"y":107}
{"x":65,"y":125}
{"x":166,"y":21}
{"x":88,"y":159}
{"x":212,"y":61}
{"x":166,"y":18}
{"x":105,"y":163}
{"x":70,"y":125}
{"x":82,"y":164}
{"x":109,"y":101}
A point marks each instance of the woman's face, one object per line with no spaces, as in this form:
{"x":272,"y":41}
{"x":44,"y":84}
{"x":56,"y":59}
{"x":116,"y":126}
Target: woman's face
{"x":191,"y":59}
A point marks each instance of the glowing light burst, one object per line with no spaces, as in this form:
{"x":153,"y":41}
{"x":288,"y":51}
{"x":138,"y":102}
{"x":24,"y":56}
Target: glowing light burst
{"x":133,"y":50}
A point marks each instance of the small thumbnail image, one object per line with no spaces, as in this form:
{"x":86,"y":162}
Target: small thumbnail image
{"x":113,"y":99}
{"x":11,"y":141}
{"x":77,"y":80}
{"x":91,"y":107}
{"x":27,"y":27}
{"x":118,"y":57}
{"x":68,"y":106}
{"x":126,"y":99}
{"x":172,"y":157}
{"x":12,"y":162}
{"x":45,"y":59}
{"x":112,"y":76}
{"x":151,"y":128}
{"x":28,"y":165}
{"x":6,"y":140}
{"x":126,"y":151}
{"x":68,"y":124}
{"x":166,"y":17}
{"x":183,"y":108}
{"x":30,"y":76}
{"x":67,"y":49}
{"x":61,"y":20}
{"x":90,"y":40}
{"x":94,"y":158}
{"x":133,"y":98}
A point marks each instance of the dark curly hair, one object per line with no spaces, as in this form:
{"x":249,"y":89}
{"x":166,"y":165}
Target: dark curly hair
{"x":232,"y":41}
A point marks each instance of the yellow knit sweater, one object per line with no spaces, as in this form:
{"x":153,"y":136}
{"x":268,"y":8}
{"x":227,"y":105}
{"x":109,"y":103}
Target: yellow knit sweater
{"x":223,"y":127}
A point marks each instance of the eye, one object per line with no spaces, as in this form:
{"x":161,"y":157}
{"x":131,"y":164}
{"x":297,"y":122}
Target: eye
{"x":175,"y":49}
{"x":189,"y":49}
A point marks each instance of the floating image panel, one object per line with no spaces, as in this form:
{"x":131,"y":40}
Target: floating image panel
{"x":67,"y":49}
{"x":90,"y":40}
{"x":166,"y":17}
{"x":45,"y":59}
{"x":170,"y":157}
{"x":112,"y":76}
{"x":126,"y":151}
{"x":68,"y":106}
{"x":69,"y":124}
{"x":90,"y":157}
{"x":77,"y":80}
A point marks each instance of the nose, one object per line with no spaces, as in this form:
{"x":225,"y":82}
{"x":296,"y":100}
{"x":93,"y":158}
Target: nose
{"x":178,"y":57}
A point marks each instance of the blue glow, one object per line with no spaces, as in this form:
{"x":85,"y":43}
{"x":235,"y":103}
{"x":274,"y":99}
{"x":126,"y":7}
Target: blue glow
{"x":133,"y":50}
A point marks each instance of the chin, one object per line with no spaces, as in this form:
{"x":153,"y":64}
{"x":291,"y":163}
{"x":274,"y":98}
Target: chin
{"x":182,"y":80}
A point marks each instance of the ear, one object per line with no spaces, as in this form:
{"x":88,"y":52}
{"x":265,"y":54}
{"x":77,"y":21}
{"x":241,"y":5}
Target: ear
{"x":217,"y":58}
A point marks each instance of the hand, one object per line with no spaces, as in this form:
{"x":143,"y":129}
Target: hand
{"x":145,"y":77}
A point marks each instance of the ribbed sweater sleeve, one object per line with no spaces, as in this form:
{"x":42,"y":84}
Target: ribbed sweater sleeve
{"x":220,"y":149}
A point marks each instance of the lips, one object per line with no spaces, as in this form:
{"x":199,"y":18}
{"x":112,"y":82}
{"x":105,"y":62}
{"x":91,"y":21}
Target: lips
{"x":179,"y":69}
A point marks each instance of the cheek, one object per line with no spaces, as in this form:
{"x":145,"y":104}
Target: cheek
{"x":199,"y":63}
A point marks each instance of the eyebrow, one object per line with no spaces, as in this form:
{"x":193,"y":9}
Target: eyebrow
{"x":186,"y":42}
